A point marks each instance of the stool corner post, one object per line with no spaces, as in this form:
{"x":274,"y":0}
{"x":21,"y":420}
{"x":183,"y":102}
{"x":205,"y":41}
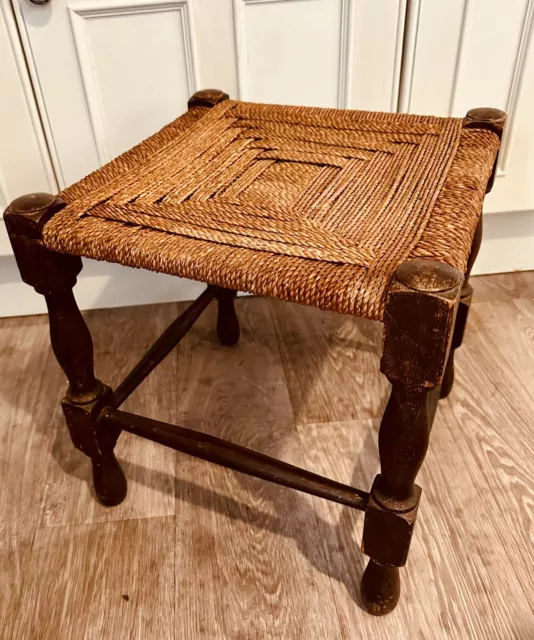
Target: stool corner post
{"x":207,"y":98}
{"x":490,"y":119}
{"x":54,"y":276}
{"x":418,"y":325}
{"x":28,"y":214}
{"x":228,"y":330}
{"x":25,"y":219}
{"x":486,"y":118}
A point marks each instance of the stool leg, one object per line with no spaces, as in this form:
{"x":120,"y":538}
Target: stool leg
{"x":227,"y":322}
{"x":461,"y":317}
{"x":53,"y":275}
{"x":418,"y":325}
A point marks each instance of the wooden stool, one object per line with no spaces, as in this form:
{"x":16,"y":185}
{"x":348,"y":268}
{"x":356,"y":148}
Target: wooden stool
{"x":370,"y":214}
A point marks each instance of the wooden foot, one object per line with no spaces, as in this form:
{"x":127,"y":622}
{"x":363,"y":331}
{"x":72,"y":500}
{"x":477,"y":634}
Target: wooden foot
{"x":418,"y":325}
{"x":227,"y":322}
{"x":54,"y":275}
{"x":380,"y":588}
{"x":109,"y":480}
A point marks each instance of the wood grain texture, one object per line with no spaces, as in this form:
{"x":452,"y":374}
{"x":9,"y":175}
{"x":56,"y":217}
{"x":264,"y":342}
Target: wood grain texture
{"x":331,"y":362}
{"x":497,"y":445}
{"x":119,"y":582}
{"x":247,"y":548}
{"x":29,"y":379}
{"x":15,"y":558}
{"x":233,"y":557}
{"x":503,"y":287}
{"x":28,"y":425}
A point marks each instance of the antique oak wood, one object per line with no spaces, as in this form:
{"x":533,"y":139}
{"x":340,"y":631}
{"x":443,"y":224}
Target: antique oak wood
{"x":425,"y":314}
{"x":418,"y":326}
{"x":53,"y":275}
{"x":233,"y":456}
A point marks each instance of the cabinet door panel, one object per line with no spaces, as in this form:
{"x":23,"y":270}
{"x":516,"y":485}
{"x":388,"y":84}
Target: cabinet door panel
{"x":24,"y":161}
{"x":331,"y":53}
{"x":469,"y":53}
{"x":111,"y":72}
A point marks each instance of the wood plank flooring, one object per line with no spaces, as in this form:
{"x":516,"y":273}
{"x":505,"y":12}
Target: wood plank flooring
{"x":197,"y":551}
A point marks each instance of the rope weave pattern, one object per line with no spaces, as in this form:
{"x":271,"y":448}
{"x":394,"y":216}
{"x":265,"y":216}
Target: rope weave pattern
{"x":318,"y":206}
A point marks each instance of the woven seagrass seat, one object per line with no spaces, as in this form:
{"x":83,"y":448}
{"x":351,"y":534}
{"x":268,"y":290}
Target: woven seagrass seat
{"x":371,"y":214}
{"x":317,"y":206}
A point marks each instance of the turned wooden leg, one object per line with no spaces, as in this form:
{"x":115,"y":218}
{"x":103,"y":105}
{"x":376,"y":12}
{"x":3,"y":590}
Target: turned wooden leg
{"x":53,"y":275}
{"x":227,"y":322}
{"x":418,"y":325}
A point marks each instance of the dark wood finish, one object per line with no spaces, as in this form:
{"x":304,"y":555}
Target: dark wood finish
{"x":470,"y":567}
{"x":73,"y":346}
{"x":422,"y":294}
{"x":89,"y":437}
{"x":54,"y":275}
{"x":418,"y":325}
{"x":492,"y":120}
{"x":461,"y":316}
{"x":380,"y":588}
{"x":163,"y":346}
{"x":207,"y":98}
{"x":233,"y":456}
{"x":227,"y":322}
{"x":486,"y":118}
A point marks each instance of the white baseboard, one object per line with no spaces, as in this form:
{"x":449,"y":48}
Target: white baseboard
{"x":508,"y":245}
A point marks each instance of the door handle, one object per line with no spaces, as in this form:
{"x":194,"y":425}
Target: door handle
{"x":40,"y":3}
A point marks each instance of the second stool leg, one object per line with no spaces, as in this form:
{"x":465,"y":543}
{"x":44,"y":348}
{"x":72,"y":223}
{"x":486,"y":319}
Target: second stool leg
{"x":54,"y":275}
{"x":418,"y":325}
{"x":227,"y":322}
{"x":461,"y":317}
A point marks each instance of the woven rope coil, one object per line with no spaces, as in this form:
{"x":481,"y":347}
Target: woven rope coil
{"x":318,"y":206}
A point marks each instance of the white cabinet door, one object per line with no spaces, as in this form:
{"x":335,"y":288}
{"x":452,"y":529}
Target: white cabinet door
{"x":108,"y":73}
{"x":469,"y":53}
{"x":24,"y":162}
{"x":330,"y":53}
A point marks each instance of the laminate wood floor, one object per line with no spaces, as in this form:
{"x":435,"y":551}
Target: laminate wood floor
{"x":197,"y":551}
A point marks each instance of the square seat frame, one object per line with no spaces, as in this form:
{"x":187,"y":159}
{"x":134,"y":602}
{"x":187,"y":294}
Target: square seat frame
{"x":424,"y":323}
